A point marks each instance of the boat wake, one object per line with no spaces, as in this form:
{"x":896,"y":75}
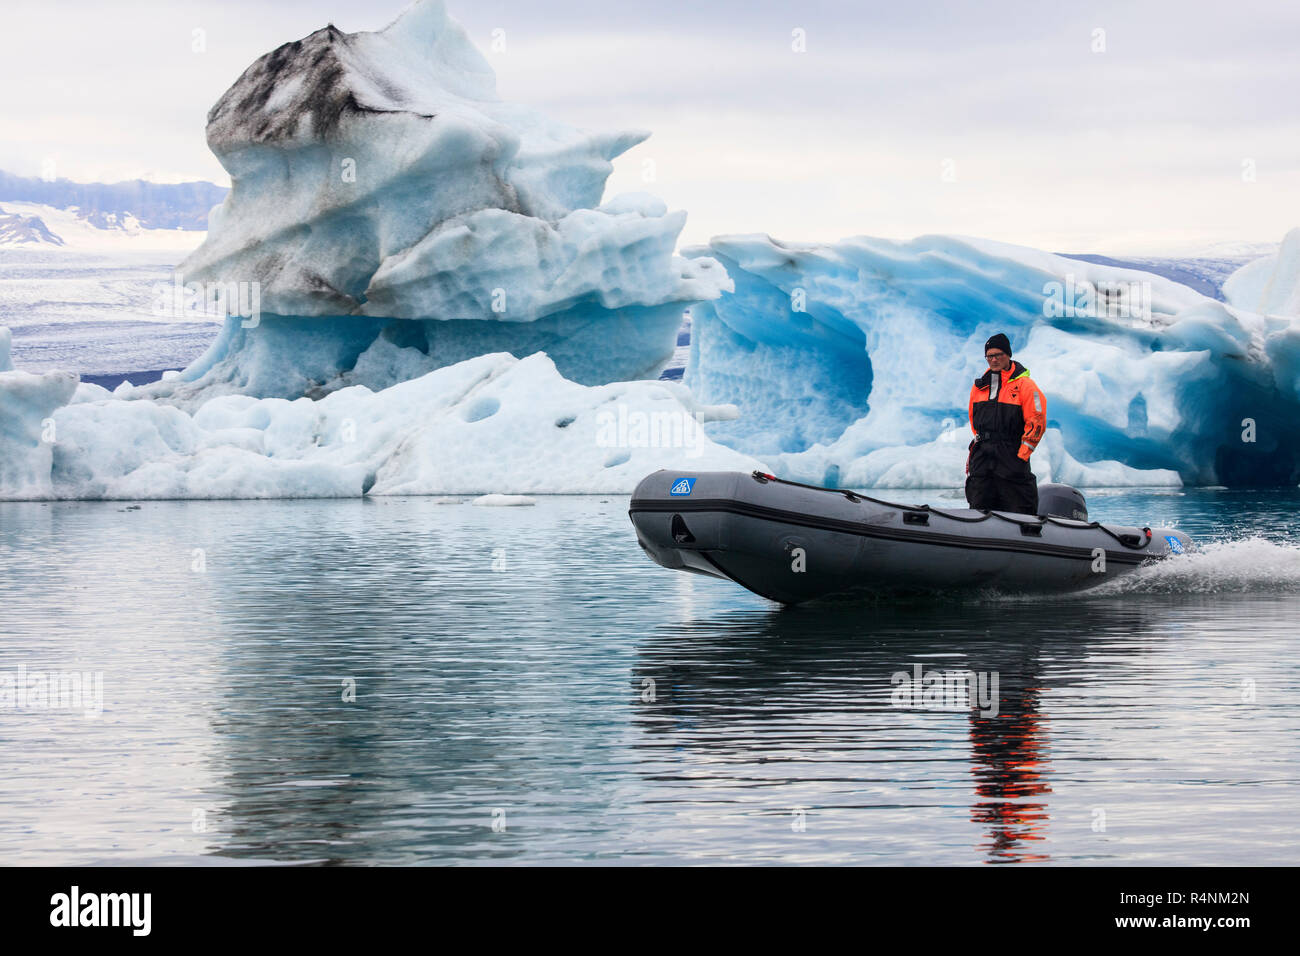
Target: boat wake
{"x":1219,"y":567}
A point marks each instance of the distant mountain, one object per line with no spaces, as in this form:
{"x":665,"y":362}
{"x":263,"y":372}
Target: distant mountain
{"x":181,"y":206}
{"x":19,"y":230}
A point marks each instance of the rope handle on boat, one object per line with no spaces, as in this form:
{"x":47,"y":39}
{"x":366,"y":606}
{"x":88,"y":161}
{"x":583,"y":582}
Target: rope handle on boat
{"x":855,"y":496}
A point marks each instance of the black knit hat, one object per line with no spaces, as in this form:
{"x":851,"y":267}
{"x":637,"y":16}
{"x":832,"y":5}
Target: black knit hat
{"x":998,"y":341}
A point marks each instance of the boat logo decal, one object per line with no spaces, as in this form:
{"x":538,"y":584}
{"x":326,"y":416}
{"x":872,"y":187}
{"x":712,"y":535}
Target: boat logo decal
{"x":1175,"y":546}
{"x":682,"y":486}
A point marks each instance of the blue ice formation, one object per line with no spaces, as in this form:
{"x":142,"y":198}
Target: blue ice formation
{"x":1270,"y":285}
{"x":384,"y":197}
{"x":851,"y":363}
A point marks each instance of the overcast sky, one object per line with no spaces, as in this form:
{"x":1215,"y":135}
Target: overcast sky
{"x":995,"y":119}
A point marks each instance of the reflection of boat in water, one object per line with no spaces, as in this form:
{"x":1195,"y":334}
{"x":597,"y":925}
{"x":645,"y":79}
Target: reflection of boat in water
{"x":806,"y":695}
{"x":791,"y":542}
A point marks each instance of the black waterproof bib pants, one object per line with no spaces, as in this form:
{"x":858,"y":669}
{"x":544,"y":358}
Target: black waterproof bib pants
{"x":998,"y":478}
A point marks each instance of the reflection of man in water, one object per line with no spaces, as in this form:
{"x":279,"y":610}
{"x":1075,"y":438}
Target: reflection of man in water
{"x":1009,"y":764}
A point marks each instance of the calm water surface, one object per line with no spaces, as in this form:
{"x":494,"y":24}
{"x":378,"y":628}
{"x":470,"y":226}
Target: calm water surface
{"x":530,"y":688}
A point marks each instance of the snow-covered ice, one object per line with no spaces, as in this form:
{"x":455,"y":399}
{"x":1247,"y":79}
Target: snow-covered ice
{"x":503,"y":501}
{"x":494,"y":424}
{"x":1270,"y":285}
{"x":27,"y":436}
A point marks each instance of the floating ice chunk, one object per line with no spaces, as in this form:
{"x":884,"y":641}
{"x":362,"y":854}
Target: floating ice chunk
{"x":502,"y":501}
{"x":28,"y":431}
{"x":90,"y":392}
{"x":490,"y":425}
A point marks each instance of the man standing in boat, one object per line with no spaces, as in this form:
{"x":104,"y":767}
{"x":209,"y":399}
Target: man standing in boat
{"x":1008,"y":415}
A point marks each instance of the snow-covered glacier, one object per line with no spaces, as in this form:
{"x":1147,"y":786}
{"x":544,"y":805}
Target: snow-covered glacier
{"x":851,"y":362}
{"x":384,"y":196}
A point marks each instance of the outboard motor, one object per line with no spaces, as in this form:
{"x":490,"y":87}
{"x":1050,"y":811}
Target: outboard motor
{"x":1062,"y":501}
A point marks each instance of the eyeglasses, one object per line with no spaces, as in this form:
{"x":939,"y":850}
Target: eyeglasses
{"x":994,"y":355}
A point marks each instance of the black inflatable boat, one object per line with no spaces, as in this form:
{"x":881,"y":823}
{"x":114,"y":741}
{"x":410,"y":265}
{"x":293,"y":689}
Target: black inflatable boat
{"x":791,"y":542}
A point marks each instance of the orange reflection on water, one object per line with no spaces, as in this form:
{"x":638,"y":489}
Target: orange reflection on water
{"x":1010,"y":767}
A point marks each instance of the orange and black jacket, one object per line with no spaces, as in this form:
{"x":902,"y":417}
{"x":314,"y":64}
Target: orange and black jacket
{"x":1007,"y":408}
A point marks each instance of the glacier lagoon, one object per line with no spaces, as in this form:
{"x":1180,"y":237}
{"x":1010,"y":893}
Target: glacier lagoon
{"x":395,"y":679}
{"x":415,"y":680}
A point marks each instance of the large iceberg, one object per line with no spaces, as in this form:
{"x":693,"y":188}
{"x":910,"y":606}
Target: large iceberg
{"x":851,"y":363}
{"x":490,"y":424}
{"x":383,"y":196}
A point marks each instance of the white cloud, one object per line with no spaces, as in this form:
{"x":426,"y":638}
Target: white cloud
{"x":1052,"y":144}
